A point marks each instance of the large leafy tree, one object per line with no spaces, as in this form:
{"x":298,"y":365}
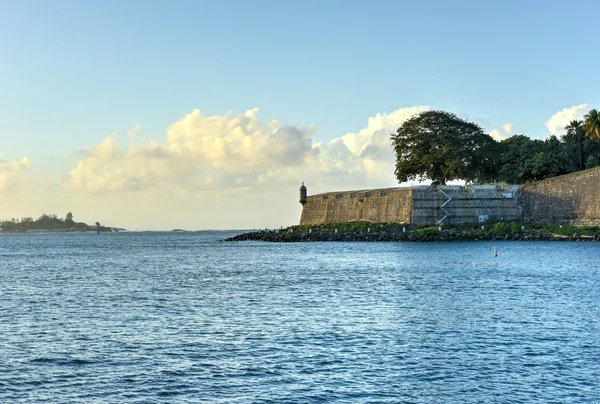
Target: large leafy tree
{"x":440,"y":146}
{"x":592,"y":124}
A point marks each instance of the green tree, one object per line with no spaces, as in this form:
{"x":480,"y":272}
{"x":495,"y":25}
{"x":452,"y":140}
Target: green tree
{"x":69,"y":220}
{"x":49,"y":222}
{"x":592,"y":124}
{"x":557,"y":160}
{"x":575,"y":134}
{"x":523,"y":159}
{"x":517,"y":155}
{"x":591,"y":162}
{"x":439,"y":146}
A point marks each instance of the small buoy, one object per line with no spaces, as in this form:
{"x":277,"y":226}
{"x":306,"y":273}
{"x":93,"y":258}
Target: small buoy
{"x":495,"y":252}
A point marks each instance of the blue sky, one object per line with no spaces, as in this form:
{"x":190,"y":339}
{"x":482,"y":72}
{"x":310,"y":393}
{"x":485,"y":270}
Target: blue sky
{"x":72,"y":72}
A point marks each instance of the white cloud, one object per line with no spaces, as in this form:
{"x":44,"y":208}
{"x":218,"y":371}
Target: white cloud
{"x":557,"y":122}
{"x":506,"y":130}
{"x":10,"y":172}
{"x":239,"y":152}
{"x":357,"y":142}
{"x":131,"y":133}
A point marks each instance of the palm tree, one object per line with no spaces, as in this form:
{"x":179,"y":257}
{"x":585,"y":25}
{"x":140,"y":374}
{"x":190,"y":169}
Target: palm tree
{"x":575,"y":131}
{"x":592,"y":124}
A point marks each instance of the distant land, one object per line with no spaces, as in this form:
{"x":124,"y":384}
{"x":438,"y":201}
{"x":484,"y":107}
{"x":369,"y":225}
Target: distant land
{"x":51,"y":223}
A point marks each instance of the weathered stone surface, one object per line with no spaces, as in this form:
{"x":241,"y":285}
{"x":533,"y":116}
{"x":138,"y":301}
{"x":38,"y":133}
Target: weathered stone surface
{"x":463,"y":204}
{"x":568,"y":199}
{"x":417,"y":205}
{"x":381,"y":206}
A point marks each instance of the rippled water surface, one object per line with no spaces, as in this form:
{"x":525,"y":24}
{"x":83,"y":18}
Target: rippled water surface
{"x":184,"y":317}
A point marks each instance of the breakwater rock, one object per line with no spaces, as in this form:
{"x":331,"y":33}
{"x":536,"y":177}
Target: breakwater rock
{"x":392,"y":232}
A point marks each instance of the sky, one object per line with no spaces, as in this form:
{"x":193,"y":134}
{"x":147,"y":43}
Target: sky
{"x":209,"y":115}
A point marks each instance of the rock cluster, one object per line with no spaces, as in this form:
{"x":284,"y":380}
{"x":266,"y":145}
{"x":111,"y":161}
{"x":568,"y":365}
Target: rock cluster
{"x":288,"y":235}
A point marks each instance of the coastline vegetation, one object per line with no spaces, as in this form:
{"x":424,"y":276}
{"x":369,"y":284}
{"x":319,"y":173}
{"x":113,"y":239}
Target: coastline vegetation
{"x":49,"y":222}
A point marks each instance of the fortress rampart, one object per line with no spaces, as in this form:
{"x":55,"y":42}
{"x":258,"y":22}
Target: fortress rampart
{"x":464,"y":204}
{"x":391,"y":205}
{"x":567,"y":199}
{"x":413,"y":205}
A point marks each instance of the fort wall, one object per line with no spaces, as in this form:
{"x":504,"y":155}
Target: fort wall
{"x":568,"y":199}
{"x":459,"y":204}
{"x":391,"y":205}
{"x":416,"y":205}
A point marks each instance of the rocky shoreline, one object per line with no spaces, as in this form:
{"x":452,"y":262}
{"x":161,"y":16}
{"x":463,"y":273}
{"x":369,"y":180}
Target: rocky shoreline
{"x":392,"y":232}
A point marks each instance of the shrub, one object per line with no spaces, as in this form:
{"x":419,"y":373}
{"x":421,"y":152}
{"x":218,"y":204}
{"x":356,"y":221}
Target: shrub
{"x":426,"y":232}
{"x":501,"y":228}
{"x":514,"y":227}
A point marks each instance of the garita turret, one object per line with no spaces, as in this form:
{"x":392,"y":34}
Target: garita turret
{"x":303,"y":194}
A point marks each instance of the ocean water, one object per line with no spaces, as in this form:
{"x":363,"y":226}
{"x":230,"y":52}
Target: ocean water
{"x":185,"y":317}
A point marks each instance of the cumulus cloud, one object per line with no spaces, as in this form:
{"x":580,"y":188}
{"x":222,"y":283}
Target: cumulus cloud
{"x":202,"y":152}
{"x":131,"y":133}
{"x":357,"y":142}
{"x":198,"y":151}
{"x":557,"y":122}
{"x":10,"y":171}
{"x":365,"y":158}
{"x":505,"y":131}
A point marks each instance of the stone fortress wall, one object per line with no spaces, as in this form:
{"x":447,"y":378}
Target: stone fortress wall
{"x":391,"y":205}
{"x":568,"y":199}
{"x":464,"y":204}
{"x":412,"y":205}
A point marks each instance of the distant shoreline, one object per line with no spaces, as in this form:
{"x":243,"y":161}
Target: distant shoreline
{"x":51,"y":223}
{"x":63,"y":231}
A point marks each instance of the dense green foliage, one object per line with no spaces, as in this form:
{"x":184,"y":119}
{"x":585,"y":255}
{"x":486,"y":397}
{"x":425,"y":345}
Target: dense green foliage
{"x":441,"y":147}
{"x":592,"y":124}
{"x":429,"y":232}
{"x":45,"y":222}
